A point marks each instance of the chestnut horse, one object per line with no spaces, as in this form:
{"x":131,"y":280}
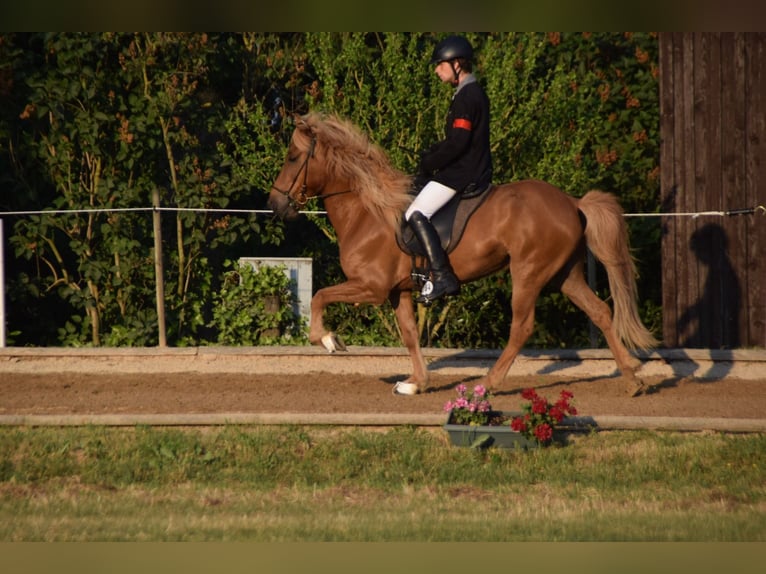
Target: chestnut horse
{"x":534,"y":227}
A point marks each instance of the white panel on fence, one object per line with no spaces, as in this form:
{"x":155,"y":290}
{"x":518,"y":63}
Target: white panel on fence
{"x":298,"y":270}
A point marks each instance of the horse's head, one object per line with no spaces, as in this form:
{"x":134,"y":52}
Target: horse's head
{"x":299,"y":179}
{"x":330,"y":157}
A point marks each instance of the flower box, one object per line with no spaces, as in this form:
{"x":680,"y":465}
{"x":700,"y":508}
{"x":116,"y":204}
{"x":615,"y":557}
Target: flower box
{"x":502,"y":435}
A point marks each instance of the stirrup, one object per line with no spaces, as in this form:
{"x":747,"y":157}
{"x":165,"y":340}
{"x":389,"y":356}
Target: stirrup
{"x":419,"y":277}
{"x":427,"y":297}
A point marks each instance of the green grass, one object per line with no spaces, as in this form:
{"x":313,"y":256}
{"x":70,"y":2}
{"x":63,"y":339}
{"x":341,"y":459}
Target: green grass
{"x":405,"y":484}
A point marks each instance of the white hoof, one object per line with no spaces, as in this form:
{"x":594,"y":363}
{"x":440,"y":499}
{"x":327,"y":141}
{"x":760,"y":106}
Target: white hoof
{"x":404,"y":388}
{"x":328,"y":341}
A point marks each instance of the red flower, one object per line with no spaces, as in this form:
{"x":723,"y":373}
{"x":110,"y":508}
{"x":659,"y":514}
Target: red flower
{"x":557,"y":413}
{"x":541,"y":417}
{"x":539,"y":406}
{"x":529,"y":394}
{"x":544,"y":432}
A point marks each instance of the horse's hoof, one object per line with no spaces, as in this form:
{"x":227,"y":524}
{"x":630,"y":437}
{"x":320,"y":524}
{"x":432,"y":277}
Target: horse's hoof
{"x":340,"y":344}
{"x":405,"y":388}
{"x":639,"y":388}
{"x":332,"y":343}
{"x":635,"y":364}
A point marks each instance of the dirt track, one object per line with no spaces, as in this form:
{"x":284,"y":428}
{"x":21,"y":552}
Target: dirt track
{"x":135,"y":383}
{"x":72,"y":393}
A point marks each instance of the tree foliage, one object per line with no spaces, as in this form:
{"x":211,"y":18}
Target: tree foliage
{"x":104,"y":120}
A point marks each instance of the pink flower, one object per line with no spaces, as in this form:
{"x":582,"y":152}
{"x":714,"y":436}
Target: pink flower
{"x":470,"y":407}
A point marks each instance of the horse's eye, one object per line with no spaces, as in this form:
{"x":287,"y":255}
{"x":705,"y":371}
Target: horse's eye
{"x":292,"y":158}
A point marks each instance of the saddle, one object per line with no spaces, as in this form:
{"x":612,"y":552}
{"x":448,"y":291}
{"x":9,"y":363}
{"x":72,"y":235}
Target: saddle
{"x":449,"y":222}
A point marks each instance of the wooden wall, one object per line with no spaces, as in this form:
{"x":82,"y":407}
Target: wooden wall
{"x":713,"y":158}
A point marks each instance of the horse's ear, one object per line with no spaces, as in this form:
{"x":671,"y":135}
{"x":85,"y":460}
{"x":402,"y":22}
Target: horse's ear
{"x":301,"y":122}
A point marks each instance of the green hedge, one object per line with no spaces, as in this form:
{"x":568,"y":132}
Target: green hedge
{"x":93,"y":120}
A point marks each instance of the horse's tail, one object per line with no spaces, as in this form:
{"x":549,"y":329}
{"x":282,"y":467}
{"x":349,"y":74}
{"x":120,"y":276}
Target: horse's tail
{"x":606,"y":234}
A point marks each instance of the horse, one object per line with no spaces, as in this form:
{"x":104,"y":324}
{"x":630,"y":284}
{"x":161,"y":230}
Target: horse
{"x":532,"y":226}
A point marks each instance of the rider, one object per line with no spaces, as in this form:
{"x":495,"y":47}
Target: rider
{"x":461,"y":161}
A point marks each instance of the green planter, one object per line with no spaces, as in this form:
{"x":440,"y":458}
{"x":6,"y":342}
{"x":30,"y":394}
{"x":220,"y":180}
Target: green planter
{"x":502,"y":436}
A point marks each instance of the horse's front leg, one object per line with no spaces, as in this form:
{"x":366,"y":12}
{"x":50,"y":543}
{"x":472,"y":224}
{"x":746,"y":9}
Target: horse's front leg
{"x":348,"y":292}
{"x":318,"y":335}
{"x":405,"y":316}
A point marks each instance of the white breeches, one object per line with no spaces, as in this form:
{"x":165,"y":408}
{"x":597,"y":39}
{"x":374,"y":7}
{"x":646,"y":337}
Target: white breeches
{"x":430,"y":199}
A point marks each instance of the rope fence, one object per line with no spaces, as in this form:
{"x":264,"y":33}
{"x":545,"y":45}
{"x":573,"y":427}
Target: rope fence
{"x":693,"y":214}
{"x":157,"y":210}
{"x":147,"y":209}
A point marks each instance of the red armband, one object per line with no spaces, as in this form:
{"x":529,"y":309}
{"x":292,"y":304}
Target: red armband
{"x":462,"y":123}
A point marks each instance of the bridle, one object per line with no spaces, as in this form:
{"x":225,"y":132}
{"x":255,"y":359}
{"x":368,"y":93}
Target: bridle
{"x":300,"y":202}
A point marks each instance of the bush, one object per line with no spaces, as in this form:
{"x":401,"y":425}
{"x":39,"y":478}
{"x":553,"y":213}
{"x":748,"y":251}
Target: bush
{"x":255,"y":307}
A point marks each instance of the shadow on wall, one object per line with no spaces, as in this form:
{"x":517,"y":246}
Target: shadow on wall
{"x":713,"y":320}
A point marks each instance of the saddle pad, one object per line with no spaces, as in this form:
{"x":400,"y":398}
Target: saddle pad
{"x":449,"y":222}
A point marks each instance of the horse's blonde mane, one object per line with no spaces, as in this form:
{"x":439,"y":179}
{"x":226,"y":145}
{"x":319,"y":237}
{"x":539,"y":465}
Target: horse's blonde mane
{"x":349,"y":154}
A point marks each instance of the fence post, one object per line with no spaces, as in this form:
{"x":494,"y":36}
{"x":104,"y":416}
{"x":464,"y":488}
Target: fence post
{"x":2,"y":288}
{"x":159,"y":272}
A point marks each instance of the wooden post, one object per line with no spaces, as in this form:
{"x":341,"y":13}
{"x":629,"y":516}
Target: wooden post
{"x":159,"y":273}
{"x":2,"y":288}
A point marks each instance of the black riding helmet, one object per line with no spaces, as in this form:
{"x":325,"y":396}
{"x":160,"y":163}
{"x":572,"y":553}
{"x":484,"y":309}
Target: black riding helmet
{"x":452,"y":48}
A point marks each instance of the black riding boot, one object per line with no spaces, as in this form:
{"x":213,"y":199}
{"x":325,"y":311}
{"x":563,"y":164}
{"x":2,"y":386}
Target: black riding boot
{"x":443,"y":280}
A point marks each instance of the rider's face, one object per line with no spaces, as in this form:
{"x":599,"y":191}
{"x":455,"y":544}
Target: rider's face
{"x":444,"y":71}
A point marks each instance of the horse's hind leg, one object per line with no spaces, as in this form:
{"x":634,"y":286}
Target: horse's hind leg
{"x":578,"y":291}
{"x":522,"y":324}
